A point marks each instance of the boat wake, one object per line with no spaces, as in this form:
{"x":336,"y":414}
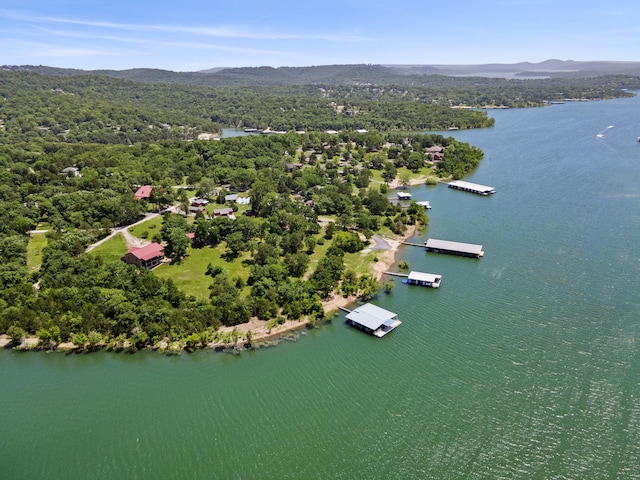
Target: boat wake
{"x":601,"y":134}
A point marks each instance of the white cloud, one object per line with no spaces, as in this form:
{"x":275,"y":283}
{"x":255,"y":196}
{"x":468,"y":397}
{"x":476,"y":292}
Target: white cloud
{"x":219,"y":32}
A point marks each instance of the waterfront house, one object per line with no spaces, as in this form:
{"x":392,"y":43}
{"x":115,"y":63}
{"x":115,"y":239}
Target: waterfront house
{"x":149,"y":256}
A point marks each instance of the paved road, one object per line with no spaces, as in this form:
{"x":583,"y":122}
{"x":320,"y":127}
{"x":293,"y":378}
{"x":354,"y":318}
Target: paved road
{"x":380,"y":243}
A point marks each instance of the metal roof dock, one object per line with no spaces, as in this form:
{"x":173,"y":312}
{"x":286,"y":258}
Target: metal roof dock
{"x":454,"y":248}
{"x":472,"y":187}
{"x":373,"y":319}
{"x":424,"y":279}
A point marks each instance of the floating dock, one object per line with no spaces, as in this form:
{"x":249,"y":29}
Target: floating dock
{"x":472,"y":187}
{"x":454,"y":248}
{"x":423,"y":279}
{"x":404,"y":196}
{"x":425,"y":204}
{"x":373,"y":320}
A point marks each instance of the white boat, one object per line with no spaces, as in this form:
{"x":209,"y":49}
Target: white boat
{"x":425,"y":204}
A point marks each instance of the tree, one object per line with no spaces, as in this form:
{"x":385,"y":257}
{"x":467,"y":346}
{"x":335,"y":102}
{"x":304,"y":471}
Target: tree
{"x":177,"y":244}
{"x":389,"y":173}
{"x":235,"y":244}
{"x":368,"y":287}
{"x":17,"y":334}
{"x":404,"y":179}
{"x":206,"y":187}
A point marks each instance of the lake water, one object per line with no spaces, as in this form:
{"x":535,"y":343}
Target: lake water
{"x":523,"y":364}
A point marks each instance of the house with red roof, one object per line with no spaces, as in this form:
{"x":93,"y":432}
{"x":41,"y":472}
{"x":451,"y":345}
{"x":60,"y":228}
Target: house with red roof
{"x":149,"y":256}
{"x":143,"y":192}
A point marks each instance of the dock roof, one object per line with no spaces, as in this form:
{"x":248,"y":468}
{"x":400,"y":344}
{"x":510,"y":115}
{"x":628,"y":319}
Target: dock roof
{"x":371,"y":316}
{"x":468,"y":248}
{"x":424,"y":277}
{"x":471,"y":187}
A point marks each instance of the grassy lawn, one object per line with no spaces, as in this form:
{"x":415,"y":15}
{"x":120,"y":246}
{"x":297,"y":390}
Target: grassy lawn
{"x":37,"y":242}
{"x":360,"y":263}
{"x":152,"y":227}
{"x":376,"y":175}
{"x":189,"y":275}
{"x":318,"y":252}
{"x":112,"y":250}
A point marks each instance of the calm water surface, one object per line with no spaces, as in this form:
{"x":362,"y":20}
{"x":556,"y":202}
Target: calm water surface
{"x":524,"y":364}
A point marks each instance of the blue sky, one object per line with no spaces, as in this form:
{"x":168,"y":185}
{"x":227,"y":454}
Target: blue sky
{"x":193,"y":35}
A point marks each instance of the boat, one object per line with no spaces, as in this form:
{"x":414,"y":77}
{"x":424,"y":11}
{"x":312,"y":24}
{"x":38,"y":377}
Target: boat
{"x":425,"y":204}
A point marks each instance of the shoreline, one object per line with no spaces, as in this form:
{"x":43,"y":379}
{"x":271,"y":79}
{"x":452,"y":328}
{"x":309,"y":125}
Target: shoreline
{"x":261,"y":334}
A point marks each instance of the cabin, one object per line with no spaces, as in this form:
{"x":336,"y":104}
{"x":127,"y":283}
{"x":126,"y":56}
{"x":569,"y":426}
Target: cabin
{"x":231,"y":198}
{"x":199,"y":202}
{"x":194,"y":210}
{"x":373,"y":320}
{"x":149,"y":256}
{"x":424,"y":279}
{"x":454,"y":248}
{"x":223,"y":212}
{"x":143,"y":192}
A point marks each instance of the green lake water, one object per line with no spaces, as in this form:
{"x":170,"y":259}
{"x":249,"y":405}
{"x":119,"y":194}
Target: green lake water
{"x":523,"y":364}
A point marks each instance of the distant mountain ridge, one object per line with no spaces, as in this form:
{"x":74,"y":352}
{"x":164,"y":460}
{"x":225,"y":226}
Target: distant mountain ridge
{"x":352,"y":74}
{"x":549,"y":68}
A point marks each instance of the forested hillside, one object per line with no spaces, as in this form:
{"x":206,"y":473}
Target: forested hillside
{"x":74,"y":148}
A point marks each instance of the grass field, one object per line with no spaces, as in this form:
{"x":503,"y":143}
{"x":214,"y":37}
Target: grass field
{"x":37,"y":242}
{"x":111,"y":250}
{"x":190,"y":274}
{"x":150,"y":226}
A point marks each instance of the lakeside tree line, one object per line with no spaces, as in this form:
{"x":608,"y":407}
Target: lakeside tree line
{"x":293,"y":180}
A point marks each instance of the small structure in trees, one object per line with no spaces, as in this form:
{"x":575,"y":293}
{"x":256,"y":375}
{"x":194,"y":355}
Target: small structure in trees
{"x":144,"y":192}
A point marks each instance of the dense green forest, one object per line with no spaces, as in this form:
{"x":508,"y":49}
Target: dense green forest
{"x":316,"y":197}
{"x":82,"y":297}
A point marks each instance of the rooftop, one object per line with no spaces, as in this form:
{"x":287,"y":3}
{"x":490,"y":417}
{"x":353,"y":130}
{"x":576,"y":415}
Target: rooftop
{"x":372,"y":316}
{"x":147,"y":252}
{"x":143,"y":192}
{"x":424,"y":277}
{"x":446,"y":245}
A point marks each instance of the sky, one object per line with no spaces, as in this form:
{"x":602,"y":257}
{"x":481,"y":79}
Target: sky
{"x":192,"y":35}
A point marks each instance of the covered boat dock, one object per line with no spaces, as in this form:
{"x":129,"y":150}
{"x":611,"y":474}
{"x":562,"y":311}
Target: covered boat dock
{"x":454,"y":248}
{"x":472,"y":187}
{"x":373,"y":319}
{"x":423,"y":279}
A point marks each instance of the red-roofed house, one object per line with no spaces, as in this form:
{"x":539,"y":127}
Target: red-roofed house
{"x":149,"y":256}
{"x":143,"y":192}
